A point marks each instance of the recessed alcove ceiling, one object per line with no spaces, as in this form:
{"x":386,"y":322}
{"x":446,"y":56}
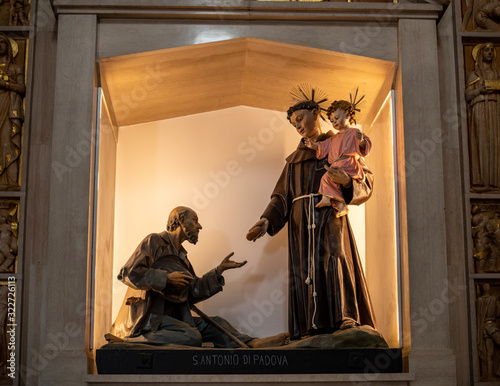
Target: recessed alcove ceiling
{"x":180,"y":81}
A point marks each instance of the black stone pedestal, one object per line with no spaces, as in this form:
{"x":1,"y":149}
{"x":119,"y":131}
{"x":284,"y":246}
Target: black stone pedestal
{"x":118,"y":358}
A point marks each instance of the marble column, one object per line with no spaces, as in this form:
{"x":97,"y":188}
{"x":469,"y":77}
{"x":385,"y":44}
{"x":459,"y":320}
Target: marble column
{"x":58,"y":357}
{"x":431,"y":358}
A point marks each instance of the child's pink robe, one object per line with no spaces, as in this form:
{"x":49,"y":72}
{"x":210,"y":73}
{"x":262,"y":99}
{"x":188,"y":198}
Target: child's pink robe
{"x":343,"y":145}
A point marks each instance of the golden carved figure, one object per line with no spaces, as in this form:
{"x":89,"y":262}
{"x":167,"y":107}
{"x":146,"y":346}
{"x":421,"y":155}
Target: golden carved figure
{"x":482,"y":15}
{"x":12,"y":90}
{"x":18,"y":13}
{"x":488,"y":333}
{"x":482,"y":94}
{"x":8,"y":236}
{"x":486,"y":235}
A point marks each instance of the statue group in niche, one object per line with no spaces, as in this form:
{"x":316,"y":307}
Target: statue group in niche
{"x":327,"y":288}
{"x":482,"y":94}
{"x":488,"y":333}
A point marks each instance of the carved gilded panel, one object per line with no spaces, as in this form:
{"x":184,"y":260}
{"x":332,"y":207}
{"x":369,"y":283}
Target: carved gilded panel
{"x":488,"y":329}
{"x":9,"y":223}
{"x":480,"y":15}
{"x":486,"y":237}
{"x":12,"y":93}
{"x":14,"y":12}
{"x":482,"y":93}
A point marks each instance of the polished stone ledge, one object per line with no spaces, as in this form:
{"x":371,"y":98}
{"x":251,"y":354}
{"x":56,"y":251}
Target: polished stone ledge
{"x":249,"y":10}
{"x":286,"y":379}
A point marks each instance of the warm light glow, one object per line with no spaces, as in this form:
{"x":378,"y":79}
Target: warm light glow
{"x":382,"y":265}
{"x":212,"y":35}
{"x":391,"y":97}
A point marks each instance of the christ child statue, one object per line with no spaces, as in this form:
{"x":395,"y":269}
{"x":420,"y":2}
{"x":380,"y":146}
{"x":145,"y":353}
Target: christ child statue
{"x":343,"y":149}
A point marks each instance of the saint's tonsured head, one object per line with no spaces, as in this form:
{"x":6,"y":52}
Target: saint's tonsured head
{"x":308,"y":98}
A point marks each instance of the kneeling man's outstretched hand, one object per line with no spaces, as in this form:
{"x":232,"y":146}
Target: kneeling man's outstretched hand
{"x":229,"y":264}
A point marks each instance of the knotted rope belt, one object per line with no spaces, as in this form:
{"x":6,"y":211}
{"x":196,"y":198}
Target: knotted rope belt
{"x":311,"y":226}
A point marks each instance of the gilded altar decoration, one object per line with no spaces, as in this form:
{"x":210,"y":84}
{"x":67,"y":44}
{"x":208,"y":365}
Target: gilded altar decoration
{"x":8,"y":235}
{"x":12,"y":91}
{"x":486,"y":237}
{"x":488,"y":331}
{"x":481,"y":15}
{"x":18,"y":12}
{"x":14,"y":12}
{"x":482,"y":94}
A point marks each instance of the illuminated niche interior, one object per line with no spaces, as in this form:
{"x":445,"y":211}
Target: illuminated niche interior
{"x":204,"y":126}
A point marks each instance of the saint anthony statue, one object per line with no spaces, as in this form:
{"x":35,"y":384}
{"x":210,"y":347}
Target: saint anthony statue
{"x":327,"y":288}
{"x":482,"y":93}
{"x":12,"y":91}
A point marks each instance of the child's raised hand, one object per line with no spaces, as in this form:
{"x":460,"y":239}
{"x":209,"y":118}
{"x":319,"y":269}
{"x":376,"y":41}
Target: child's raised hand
{"x":361,"y":140}
{"x":310,"y":144}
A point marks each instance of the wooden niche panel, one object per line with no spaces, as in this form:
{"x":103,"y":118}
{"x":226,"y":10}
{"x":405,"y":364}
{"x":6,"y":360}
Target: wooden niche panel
{"x":482,"y":93}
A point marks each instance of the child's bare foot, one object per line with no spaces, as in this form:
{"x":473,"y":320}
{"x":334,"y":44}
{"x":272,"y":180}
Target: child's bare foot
{"x":342,"y":209}
{"x":325,"y":201}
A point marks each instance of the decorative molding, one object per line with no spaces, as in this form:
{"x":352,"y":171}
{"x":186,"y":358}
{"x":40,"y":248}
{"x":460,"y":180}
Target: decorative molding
{"x":249,"y":10}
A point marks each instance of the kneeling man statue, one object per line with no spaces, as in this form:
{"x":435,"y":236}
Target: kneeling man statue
{"x":167,"y":289}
